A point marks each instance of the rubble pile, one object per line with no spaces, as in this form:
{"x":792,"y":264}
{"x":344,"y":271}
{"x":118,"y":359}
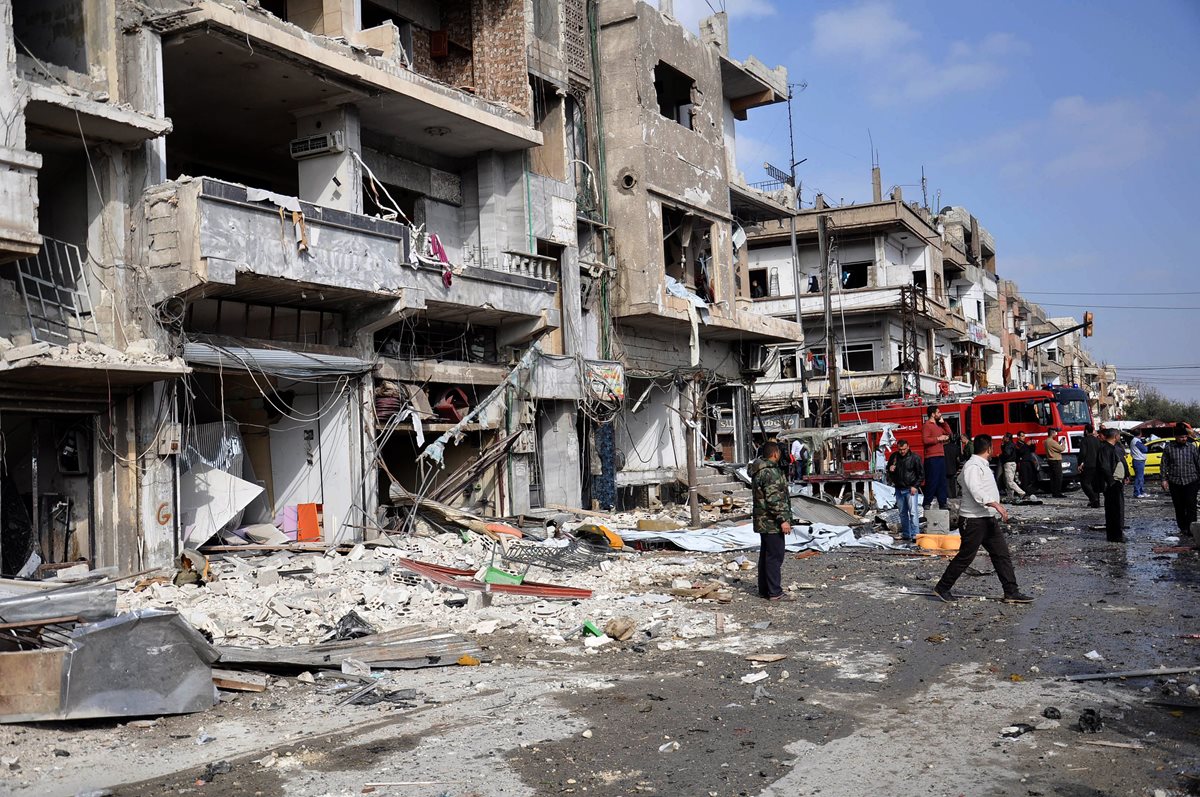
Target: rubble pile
{"x":298,"y":598}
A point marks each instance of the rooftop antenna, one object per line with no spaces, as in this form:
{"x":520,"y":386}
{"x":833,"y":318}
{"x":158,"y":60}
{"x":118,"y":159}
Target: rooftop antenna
{"x":924,"y":188}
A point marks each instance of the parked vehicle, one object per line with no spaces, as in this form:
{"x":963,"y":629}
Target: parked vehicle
{"x":994,"y":413}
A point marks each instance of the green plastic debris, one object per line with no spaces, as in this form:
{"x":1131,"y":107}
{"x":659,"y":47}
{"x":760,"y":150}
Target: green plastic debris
{"x":590,"y":629}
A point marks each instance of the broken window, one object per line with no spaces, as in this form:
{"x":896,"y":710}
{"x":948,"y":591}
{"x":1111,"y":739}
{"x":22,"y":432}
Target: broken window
{"x":856,"y":275}
{"x":548,"y":160}
{"x":789,"y":366}
{"x":676,"y":94}
{"x":687,"y":250}
{"x":54,"y":31}
{"x":858,"y":357}
{"x":920,"y":280}
{"x":53,"y":285}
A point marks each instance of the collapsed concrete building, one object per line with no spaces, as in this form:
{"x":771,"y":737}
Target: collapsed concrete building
{"x":256,"y":255}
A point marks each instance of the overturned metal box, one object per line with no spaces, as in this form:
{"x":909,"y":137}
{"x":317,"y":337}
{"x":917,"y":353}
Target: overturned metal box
{"x":144,"y":663}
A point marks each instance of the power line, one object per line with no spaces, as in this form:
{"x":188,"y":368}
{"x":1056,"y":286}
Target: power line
{"x":1112,"y":293}
{"x":1115,"y":306}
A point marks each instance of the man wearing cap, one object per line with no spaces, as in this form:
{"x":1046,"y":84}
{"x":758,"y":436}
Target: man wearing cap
{"x":1054,"y":460}
{"x":1181,"y":476}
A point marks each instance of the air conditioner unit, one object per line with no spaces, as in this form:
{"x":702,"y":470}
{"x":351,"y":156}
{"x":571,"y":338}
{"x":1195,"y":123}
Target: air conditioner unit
{"x":316,"y":146}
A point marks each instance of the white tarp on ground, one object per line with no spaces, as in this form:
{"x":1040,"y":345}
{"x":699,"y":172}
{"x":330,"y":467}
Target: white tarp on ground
{"x":209,"y":499}
{"x":817,"y":537}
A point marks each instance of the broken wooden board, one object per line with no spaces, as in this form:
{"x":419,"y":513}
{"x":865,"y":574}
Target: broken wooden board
{"x":401,"y":649}
{"x":233,"y":681}
{"x":713,"y":592}
{"x":766,"y":658}
{"x":1120,"y":745}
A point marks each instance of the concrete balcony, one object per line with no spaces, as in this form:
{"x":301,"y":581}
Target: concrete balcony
{"x":205,"y":237}
{"x":19,"y":236}
{"x":930,"y":312}
{"x":741,"y":323}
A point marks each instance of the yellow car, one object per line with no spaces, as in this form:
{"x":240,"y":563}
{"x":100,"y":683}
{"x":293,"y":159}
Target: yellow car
{"x":1154,"y":458}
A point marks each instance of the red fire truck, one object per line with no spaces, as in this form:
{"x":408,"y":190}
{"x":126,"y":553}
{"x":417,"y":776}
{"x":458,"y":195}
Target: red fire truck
{"x":994,"y":413}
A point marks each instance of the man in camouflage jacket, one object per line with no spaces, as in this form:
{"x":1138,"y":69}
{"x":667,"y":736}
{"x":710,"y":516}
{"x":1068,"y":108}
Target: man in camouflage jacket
{"x":772,"y":519}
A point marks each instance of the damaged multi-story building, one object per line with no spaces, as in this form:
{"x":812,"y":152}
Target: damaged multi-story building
{"x":260,"y":254}
{"x":280,"y":264}
{"x":684,"y":323}
{"x":914,"y":305}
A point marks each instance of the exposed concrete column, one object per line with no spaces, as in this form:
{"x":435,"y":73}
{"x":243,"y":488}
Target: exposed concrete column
{"x":107,"y":213}
{"x":333,"y":180}
{"x":341,"y":17}
{"x":876,"y":185}
{"x":143,"y":90}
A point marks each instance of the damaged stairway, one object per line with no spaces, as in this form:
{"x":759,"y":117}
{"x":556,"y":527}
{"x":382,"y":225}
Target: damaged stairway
{"x":714,"y":486}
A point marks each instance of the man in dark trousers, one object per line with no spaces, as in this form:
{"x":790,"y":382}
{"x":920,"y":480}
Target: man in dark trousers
{"x":1026,"y":464}
{"x":934,"y":435}
{"x":904,"y":472}
{"x":1089,"y":449}
{"x":772,"y":519}
{"x":1110,"y":477}
{"x":981,"y":512}
{"x":1054,"y":461}
{"x":1181,"y":476}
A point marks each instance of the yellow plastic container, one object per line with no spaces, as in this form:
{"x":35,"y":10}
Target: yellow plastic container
{"x":939,"y":542}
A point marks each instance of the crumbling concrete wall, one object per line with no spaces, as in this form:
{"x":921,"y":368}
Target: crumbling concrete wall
{"x":55,"y":31}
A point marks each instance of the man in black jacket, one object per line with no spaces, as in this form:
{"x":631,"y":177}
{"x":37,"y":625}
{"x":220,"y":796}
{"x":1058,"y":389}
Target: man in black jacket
{"x":1089,"y":450}
{"x":1110,"y":477}
{"x":906,"y":472}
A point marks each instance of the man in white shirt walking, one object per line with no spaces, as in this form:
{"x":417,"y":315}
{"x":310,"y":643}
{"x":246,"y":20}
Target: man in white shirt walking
{"x":981,"y":512}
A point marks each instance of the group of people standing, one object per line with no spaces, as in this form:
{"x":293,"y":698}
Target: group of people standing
{"x":1103,"y":472}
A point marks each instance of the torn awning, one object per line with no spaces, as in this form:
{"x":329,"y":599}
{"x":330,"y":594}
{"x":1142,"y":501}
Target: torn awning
{"x":275,"y":362}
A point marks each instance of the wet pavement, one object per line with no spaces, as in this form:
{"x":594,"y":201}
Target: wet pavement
{"x":881,"y":692}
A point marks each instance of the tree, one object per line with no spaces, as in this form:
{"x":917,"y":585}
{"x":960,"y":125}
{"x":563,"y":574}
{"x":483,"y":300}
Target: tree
{"x":1151,"y":404}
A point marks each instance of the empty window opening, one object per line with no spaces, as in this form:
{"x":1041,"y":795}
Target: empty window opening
{"x":54,"y":31}
{"x":920,"y":280}
{"x":439,"y":340}
{"x":234,"y":319}
{"x":858,"y":357}
{"x":676,"y":94}
{"x":856,"y":275}
{"x":687,"y":251}
{"x":276,"y":7}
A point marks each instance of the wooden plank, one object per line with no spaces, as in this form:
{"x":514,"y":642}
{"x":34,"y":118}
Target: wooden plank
{"x":1099,"y":676}
{"x":1121,"y":745}
{"x":32,"y":682}
{"x":236,"y":681}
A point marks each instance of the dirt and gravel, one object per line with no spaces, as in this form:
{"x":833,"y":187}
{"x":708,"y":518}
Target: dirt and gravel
{"x":882,"y":692}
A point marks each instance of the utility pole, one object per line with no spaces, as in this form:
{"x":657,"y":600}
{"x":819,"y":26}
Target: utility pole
{"x":789,"y":177}
{"x":831,"y":363}
{"x":691,"y":426}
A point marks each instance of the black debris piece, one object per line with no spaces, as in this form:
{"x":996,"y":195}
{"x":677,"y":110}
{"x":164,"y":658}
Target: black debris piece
{"x":1090,"y":721}
{"x":212,"y":770}
{"x":352,"y":626}
{"x":1051,"y":713}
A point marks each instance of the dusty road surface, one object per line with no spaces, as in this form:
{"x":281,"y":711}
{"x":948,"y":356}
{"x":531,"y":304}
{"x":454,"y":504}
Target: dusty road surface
{"x":880,"y":692}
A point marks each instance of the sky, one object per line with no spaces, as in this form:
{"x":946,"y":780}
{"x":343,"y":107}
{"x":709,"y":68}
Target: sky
{"x":1070,"y":130}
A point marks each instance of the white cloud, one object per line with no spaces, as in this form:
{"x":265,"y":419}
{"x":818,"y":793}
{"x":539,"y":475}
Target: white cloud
{"x":891,"y":56}
{"x":869,"y":32}
{"x":690,"y":12}
{"x":1077,"y":138}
